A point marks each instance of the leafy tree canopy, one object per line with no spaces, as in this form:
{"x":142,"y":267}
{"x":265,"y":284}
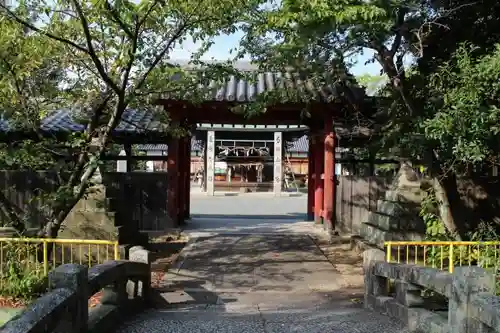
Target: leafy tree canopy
{"x":98,"y":58}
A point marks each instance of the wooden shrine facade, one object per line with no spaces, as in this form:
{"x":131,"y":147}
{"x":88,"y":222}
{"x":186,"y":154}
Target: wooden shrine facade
{"x":245,"y":157}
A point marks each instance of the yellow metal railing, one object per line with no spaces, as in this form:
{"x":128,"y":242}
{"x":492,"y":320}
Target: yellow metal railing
{"x":445,"y":255}
{"x":39,"y":255}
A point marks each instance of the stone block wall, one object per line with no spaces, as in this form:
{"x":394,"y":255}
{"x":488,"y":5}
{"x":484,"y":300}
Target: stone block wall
{"x":90,"y":219}
{"x":396,"y":217}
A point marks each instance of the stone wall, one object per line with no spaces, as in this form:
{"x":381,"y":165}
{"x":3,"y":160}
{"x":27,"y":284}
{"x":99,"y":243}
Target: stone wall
{"x":396,"y":216}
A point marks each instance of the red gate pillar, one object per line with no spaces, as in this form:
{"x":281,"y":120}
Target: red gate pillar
{"x":187,"y":182}
{"x":329,"y":175}
{"x":182,"y":179}
{"x":310,"y":180}
{"x":319,"y":153}
{"x":173,"y":174}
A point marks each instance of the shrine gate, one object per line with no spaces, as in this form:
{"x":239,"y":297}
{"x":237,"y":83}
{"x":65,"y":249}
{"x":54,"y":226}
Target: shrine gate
{"x":327,"y":130}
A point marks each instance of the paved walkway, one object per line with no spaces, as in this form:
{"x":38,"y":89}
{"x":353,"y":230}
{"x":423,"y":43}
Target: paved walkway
{"x":241,"y":279}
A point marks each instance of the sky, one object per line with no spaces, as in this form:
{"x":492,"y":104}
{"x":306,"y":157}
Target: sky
{"x":222,"y":45}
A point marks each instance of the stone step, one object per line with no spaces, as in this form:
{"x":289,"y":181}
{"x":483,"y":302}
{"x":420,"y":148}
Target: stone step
{"x":405,"y":195}
{"x":396,"y":215}
{"x":375,"y":235}
{"x":383,"y":220}
{"x":397,"y":205}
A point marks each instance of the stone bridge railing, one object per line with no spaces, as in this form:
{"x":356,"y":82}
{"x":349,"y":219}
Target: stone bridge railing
{"x":459,"y":302}
{"x":65,"y":307}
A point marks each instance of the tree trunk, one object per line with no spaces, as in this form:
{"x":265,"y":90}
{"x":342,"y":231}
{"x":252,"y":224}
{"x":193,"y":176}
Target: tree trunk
{"x":79,"y":180}
{"x":13,"y":213}
{"x":444,"y":207}
{"x":439,"y":181}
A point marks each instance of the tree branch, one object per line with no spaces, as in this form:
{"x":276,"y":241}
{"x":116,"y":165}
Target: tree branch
{"x":116,"y":17}
{"x":30,"y":26}
{"x":149,"y":11}
{"x":91,"y":51}
{"x":132,"y":56}
{"x":160,"y":55}
{"x":13,"y":214}
{"x":400,"y":22}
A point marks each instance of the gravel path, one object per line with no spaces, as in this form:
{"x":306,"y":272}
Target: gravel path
{"x":250,"y":272}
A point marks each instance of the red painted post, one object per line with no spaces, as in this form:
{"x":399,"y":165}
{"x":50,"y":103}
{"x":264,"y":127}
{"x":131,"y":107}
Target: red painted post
{"x":187,"y":183}
{"x":329,"y":175}
{"x":173,"y":180}
{"x":310,"y":180}
{"x":319,"y":153}
{"x":182,"y":178}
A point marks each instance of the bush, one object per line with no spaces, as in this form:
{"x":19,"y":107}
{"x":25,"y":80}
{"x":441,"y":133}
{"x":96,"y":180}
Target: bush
{"x":482,"y":255}
{"x":21,"y":275}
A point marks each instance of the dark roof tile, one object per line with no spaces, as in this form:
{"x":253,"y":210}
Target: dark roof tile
{"x":301,"y":145}
{"x":237,"y":89}
{"x":196,"y":146}
{"x":133,"y":121}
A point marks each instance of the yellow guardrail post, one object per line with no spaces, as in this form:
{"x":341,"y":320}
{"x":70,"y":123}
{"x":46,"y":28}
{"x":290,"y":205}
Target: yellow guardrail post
{"x":388,"y":258}
{"x":45,"y":258}
{"x":451,"y":259}
{"x":59,"y":254}
{"x":117,"y":253}
{"x":388,"y":254}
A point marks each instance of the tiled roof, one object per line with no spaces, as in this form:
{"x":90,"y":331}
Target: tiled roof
{"x":236,"y":89}
{"x":301,"y":145}
{"x":133,"y":121}
{"x":196,"y":146}
{"x":152,"y":147}
{"x":253,"y":82}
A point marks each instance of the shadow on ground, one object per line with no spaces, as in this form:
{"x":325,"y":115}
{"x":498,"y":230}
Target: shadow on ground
{"x":259,"y":262}
{"x":261,"y":284}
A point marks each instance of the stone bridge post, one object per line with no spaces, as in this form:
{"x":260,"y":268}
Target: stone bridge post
{"x":466,"y":283}
{"x":374,"y":285}
{"x":75,"y":278}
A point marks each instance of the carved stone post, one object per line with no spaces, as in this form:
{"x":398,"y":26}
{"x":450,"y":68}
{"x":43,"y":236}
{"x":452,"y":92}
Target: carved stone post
{"x":374,"y":285}
{"x":75,"y":278}
{"x":466,"y":282}
{"x":278,"y":163}
{"x":210,"y":170}
{"x":141,"y":288}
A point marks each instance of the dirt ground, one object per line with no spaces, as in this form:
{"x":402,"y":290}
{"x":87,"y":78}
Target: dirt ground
{"x":347,"y":262}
